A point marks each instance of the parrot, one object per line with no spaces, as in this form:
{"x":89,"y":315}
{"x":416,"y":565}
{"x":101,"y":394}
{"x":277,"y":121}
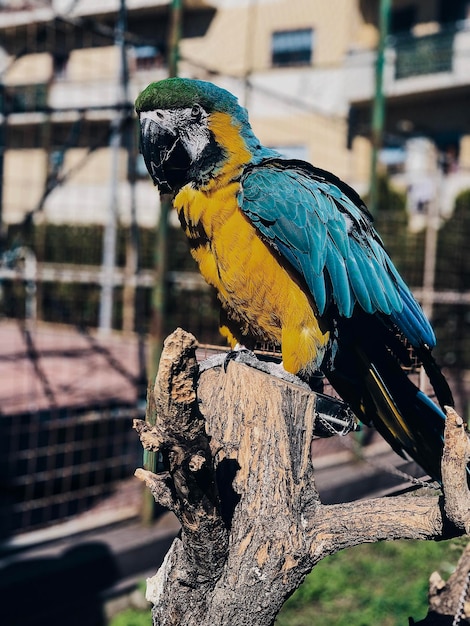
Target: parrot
{"x":294,"y":257}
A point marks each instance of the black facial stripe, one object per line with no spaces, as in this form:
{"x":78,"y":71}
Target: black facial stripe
{"x":165,"y":156}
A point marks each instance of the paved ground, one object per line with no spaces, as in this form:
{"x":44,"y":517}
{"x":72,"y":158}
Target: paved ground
{"x":80,"y":578}
{"x":45,"y":365}
{"x":73,"y":579}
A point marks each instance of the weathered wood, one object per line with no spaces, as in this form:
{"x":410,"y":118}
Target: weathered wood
{"x":454,"y":471}
{"x":449,"y":599}
{"x":187,"y":486}
{"x":239,"y":476}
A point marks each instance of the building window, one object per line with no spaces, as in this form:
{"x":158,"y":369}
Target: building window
{"x":451,"y":11}
{"x":56,"y":160}
{"x":59,"y":65}
{"x":292,"y":47}
{"x":402,"y":20}
{"x":140,"y":168}
{"x":147,"y":57}
{"x":26,"y":98}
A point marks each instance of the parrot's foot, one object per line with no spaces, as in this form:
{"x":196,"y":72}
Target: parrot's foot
{"x":277,"y":370}
{"x":240,"y":354}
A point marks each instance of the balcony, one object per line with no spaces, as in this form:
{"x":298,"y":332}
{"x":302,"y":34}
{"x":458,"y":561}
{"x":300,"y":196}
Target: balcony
{"x":429,"y":54}
{"x":40,"y":98}
{"x":414,"y":65}
{"x":25,"y":98}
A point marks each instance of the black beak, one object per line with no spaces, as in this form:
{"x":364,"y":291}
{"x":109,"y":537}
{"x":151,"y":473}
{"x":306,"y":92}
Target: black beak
{"x":166,"y":159}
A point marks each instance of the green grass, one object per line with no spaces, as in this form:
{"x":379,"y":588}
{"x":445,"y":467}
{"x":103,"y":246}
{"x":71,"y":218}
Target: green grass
{"x":382,"y":583}
{"x":132,"y":617}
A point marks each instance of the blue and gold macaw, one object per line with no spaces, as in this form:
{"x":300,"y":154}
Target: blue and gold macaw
{"x":295,"y":260}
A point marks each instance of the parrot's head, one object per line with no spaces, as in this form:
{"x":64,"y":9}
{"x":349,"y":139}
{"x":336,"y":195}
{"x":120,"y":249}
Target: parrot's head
{"x":178,"y":141}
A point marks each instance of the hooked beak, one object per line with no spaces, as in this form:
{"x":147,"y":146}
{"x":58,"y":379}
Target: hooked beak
{"x":166,"y":159}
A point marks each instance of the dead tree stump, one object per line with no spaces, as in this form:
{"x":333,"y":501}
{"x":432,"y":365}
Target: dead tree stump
{"x":237,"y":472}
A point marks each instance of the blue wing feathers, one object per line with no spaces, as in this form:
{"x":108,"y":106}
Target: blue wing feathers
{"x":327,"y":237}
{"x":373,"y":283}
{"x":419,"y":330}
{"x":318,"y":290}
{"x":358,"y":284}
{"x":336,"y":267}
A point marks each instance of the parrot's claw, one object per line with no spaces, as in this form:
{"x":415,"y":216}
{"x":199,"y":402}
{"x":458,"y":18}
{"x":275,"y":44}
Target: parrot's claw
{"x":216,"y":360}
{"x":277,"y":369}
{"x":240,"y":354}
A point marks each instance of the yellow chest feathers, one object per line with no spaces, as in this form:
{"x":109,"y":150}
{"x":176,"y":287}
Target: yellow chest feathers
{"x":255,"y":289}
{"x":230,"y":255}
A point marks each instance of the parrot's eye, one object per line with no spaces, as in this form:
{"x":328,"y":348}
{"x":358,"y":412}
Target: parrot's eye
{"x":196,"y":112}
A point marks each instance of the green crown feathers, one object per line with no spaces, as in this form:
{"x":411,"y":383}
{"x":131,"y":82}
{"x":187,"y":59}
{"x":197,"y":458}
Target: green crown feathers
{"x":185,"y":92}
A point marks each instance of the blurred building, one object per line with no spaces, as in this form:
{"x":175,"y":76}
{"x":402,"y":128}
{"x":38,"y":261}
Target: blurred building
{"x":305,"y":70}
{"x":64,"y":96}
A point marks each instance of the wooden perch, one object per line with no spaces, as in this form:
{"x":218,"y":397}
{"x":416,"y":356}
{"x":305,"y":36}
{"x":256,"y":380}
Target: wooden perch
{"x":238,"y":474}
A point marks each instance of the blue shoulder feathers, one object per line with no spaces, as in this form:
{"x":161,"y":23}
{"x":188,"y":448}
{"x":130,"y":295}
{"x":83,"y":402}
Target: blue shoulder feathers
{"x":322,"y":229}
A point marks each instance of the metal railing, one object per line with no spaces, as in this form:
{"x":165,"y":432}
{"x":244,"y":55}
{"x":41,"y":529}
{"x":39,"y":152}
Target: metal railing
{"x":427,"y":54}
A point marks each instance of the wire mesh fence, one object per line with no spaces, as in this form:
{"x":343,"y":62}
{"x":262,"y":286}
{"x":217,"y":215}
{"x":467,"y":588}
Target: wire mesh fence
{"x":68,"y":400}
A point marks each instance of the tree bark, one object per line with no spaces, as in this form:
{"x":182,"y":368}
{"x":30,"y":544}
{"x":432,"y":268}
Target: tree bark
{"x":448,"y":603}
{"x":238,"y":473}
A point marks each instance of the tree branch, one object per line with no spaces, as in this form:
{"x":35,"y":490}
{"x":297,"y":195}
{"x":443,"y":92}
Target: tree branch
{"x":187,"y":487}
{"x":454,"y":471}
{"x":448,"y":599}
{"x":239,"y":476}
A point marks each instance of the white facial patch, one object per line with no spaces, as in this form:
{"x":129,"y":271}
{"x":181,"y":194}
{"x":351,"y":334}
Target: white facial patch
{"x":194,"y":133}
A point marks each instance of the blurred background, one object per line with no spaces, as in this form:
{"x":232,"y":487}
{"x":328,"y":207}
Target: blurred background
{"x":94,"y":273}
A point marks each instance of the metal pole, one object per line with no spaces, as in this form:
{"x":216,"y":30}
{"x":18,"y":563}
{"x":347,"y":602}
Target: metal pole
{"x":176,"y":25}
{"x":110,"y":232}
{"x":430,"y":259}
{"x":160,"y":291}
{"x":3,"y":125}
{"x":132,"y":241}
{"x":378,"y":108}
{"x":250,"y":32}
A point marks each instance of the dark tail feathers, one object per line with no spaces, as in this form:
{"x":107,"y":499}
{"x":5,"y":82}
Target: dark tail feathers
{"x":371,"y":379}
